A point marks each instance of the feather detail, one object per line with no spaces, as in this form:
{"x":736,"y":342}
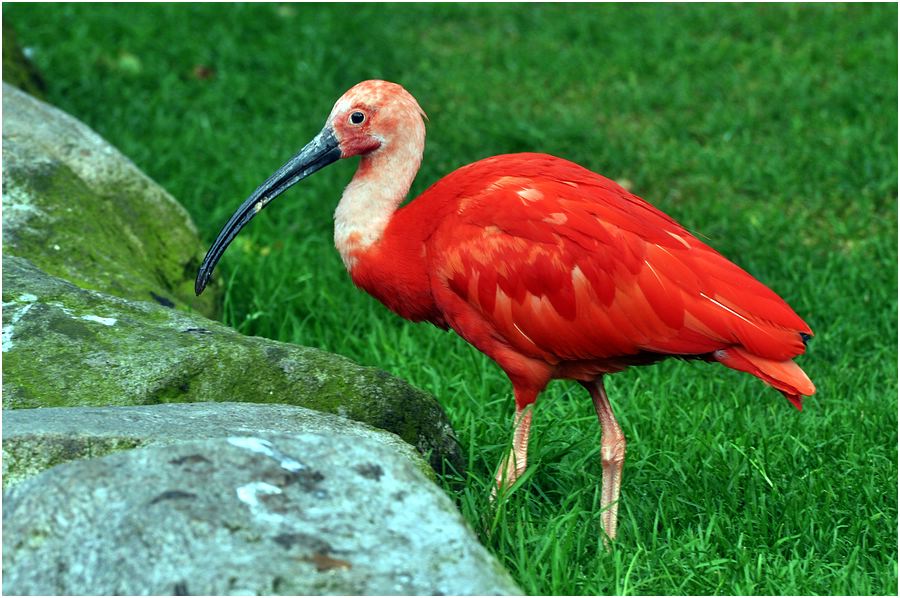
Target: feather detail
{"x":785,"y":376}
{"x":534,"y":259}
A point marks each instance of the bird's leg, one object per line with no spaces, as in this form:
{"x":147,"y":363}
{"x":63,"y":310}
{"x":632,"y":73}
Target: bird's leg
{"x":516,"y":460}
{"x":612,"y":454}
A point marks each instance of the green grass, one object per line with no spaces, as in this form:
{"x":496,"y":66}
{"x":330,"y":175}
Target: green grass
{"x":769,"y":130}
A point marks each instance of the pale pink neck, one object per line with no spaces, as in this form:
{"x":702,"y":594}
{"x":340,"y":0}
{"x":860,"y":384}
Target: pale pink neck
{"x":380,"y":184}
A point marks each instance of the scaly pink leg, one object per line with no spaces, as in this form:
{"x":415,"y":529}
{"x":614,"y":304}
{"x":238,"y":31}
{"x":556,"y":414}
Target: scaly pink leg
{"x":516,"y":460}
{"x":612,"y":454}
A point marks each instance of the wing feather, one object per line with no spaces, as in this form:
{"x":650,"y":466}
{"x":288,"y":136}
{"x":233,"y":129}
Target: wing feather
{"x":564,"y":264}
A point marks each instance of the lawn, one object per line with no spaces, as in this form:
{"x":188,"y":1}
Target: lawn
{"x":771,"y":131}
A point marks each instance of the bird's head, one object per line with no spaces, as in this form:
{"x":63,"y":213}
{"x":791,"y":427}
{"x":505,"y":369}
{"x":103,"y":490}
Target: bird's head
{"x":372,"y":119}
{"x":374,"y":115}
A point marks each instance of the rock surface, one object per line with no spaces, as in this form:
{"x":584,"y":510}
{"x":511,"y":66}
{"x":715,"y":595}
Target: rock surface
{"x":251,"y":514}
{"x":80,"y":210}
{"x":64,"y":346}
{"x":37,"y":439}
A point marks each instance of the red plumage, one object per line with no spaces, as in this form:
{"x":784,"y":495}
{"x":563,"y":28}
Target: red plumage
{"x":555,"y":271}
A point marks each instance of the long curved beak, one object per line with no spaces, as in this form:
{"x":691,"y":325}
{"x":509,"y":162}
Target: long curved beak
{"x":317,"y":154}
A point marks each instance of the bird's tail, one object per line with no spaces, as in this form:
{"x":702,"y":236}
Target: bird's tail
{"x":785,"y":376}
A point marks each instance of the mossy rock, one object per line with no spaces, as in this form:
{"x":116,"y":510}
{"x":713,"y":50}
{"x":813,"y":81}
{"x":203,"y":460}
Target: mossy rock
{"x":65,"y":346}
{"x":78,"y":209}
{"x":37,"y":439}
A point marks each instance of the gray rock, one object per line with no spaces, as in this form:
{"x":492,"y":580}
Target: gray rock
{"x":64,"y":346}
{"x":252,"y":514}
{"x":80,"y":210}
{"x":37,"y":439}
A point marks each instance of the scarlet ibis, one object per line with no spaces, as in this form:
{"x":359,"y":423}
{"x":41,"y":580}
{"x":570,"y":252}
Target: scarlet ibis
{"x":551,"y":270}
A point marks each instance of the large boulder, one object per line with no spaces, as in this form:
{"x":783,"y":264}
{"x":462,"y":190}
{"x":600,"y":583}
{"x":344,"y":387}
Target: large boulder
{"x":303,"y":514}
{"x":64,"y":346}
{"x":37,"y":439}
{"x":80,"y":210}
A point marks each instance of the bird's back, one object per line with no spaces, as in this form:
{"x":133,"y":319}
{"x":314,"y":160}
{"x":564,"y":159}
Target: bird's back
{"x":564,"y":265}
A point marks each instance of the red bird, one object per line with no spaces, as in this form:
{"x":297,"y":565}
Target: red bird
{"x":551,"y":270}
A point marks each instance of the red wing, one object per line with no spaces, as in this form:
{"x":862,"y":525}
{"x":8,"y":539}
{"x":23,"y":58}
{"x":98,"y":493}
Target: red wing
{"x":565,"y":264}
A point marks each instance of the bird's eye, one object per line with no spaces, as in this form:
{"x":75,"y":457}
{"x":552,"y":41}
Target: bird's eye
{"x":357,"y":118}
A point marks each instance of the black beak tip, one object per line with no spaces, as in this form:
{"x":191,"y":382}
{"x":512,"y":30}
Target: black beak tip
{"x":202,"y":280}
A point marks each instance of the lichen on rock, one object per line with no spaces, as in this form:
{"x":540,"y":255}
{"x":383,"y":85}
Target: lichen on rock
{"x":80,"y":210}
{"x":65,"y":346}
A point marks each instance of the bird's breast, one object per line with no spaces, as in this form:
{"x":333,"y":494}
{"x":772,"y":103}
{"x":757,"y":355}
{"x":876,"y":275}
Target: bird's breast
{"x":398,"y":279}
